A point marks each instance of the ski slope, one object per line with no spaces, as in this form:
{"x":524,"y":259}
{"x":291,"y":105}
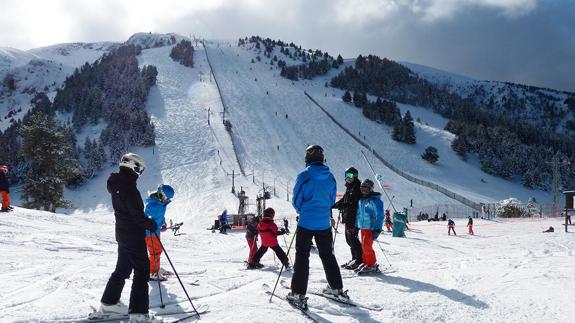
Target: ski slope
{"x":56,"y":265}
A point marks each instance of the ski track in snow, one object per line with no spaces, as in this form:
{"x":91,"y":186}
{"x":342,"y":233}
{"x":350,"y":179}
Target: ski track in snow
{"x":56,"y":265}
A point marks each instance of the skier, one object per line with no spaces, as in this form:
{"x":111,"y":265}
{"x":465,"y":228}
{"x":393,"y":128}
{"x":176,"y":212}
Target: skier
{"x":5,"y":189}
{"x":224,"y":226}
{"x":551,"y":229}
{"x":348,"y":206}
{"x":156,"y":205}
{"x":313,"y":195}
{"x":370,"y":221}
{"x":470,"y":226}
{"x":450,"y":227}
{"x":131,"y":226}
{"x":388,"y":222}
{"x":269,"y":232}
{"x":252,"y":239}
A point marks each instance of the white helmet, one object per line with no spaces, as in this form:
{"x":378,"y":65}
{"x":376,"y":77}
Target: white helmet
{"x":133,"y":162}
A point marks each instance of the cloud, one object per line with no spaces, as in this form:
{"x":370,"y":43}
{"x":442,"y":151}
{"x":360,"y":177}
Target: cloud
{"x":526,"y":41}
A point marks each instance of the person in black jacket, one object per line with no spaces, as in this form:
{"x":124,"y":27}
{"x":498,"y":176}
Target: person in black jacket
{"x":348,"y":207}
{"x":4,"y":189}
{"x":131,"y":226}
{"x":252,"y":240}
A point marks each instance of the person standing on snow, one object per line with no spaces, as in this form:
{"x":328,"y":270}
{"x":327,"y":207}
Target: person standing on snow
{"x":313,"y":195}
{"x":269,"y":232}
{"x":156,"y":205}
{"x":347,"y":205}
{"x":388,"y":221}
{"x":130,"y":228}
{"x":450,"y":227}
{"x":252,"y":240}
{"x":224,"y":226}
{"x":370,"y":221}
{"x":5,"y":189}
{"x":469,"y":226}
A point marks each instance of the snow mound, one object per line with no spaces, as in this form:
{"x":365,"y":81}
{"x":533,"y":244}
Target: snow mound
{"x":152,"y":40}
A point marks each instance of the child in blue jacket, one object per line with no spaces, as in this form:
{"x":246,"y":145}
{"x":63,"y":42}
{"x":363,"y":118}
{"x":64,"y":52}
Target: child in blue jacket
{"x":369,"y":219}
{"x":156,"y":205}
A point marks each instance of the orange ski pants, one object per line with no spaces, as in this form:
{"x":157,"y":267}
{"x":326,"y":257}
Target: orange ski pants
{"x":5,"y":199}
{"x":368,"y":254}
{"x":154,"y":252}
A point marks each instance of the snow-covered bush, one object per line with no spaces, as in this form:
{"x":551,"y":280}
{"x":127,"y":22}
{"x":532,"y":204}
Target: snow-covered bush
{"x":510,"y":208}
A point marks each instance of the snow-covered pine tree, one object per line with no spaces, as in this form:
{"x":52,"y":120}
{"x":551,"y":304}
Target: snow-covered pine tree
{"x":430,"y":154}
{"x":408,"y":131}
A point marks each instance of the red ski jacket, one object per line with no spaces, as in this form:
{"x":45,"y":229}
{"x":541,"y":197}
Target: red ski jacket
{"x":268,"y":232}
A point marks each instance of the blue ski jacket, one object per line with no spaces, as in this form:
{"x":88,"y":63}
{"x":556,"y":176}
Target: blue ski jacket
{"x":156,"y":210}
{"x":313,"y":195}
{"x":370,"y":212}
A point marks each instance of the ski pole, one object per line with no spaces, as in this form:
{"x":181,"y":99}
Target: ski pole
{"x":383,"y":252}
{"x":282,"y":268}
{"x":285,"y":243}
{"x":377,"y":179}
{"x":178,"y":276}
{"x":335,"y":234}
{"x":158,"y":275}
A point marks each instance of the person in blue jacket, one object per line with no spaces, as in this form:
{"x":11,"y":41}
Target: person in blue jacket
{"x":369,"y":219}
{"x":156,"y":205}
{"x":224,"y":225}
{"x":313,"y":195}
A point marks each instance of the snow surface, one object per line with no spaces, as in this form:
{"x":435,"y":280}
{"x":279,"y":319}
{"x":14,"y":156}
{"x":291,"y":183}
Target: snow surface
{"x":56,"y":265}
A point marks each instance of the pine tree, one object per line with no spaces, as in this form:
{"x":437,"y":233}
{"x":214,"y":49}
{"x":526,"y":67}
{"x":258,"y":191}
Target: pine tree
{"x":459,"y":145}
{"x":46,"y":148}
{"x":357,"y":99}
{"x":346,"y":97}
{"x":430,"y":154}
{"x":408,"y":131}
{"x":397,"y":129}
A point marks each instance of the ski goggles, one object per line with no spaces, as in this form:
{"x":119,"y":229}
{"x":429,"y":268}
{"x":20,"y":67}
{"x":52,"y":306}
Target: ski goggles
{"x":349,"y":175}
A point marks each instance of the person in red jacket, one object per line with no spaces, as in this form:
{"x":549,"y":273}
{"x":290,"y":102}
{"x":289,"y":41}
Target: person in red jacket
{"x":269,"y":233}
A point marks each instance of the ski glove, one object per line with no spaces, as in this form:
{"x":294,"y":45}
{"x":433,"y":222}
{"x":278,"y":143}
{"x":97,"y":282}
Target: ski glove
{"x":280,"y":232}
{"x":152,"y":226}
{"x":376,"y":234}
{"x":352,"y":230}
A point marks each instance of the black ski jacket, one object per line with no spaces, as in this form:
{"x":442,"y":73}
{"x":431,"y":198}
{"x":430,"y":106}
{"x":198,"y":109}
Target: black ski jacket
{"x":348,"y":203}
{"x":4,"y":186}
{"x":131,"y":221}
{"x":252,"y":228}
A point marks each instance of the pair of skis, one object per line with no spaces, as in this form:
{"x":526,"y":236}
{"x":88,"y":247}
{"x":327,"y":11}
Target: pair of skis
{"x":203,"y":308}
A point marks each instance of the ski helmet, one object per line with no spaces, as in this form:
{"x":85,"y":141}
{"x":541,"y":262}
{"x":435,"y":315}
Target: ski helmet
{"x":351,"y":172}
{"x":269,"y":213}
{"x":368,"y":183}
{"x":134,"y":162}
{"x":167,"y":190}
{"x":314,"y":153}
{"x":4,"y":168}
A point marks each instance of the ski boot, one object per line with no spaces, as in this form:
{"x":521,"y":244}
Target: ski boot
{"x":107,"y":311}
{"x":144,"y":318}
{"x":157,"y":276}
{"x":353,"y":265}
{"x":369,"y":270}
{"x":338,"y":293}
{"x":344,"y":265}
{"x":255,"y":266}
{"x":297,"y":300}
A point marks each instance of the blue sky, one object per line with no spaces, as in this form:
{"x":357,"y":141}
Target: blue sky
{"x":525,"y":41}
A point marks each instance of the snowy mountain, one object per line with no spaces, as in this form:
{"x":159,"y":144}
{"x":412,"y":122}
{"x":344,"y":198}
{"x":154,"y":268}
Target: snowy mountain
{"x":57,"y":264}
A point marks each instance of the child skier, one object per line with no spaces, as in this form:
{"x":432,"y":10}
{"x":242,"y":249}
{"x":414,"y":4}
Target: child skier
{"x":252,"y":240}
{"x":4,"y":189}
{"x":268,"y":232}
{"x":388,"y":222}
{"x":370,"y":221}
{"x":470,"y":226}
{"x":156,"y":205}
{"x":450,"y":227}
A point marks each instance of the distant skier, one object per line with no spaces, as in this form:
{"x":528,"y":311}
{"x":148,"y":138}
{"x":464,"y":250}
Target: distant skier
{"x":131,"y":226}
{"x":224,"y":226}
{"x":156,"y":205}
{"x":269,"y":233}
{"x":470,"y":226}
{"x":313,"y":195}
{"x":252,"y":240}
{"x":388,"y":221}
{"x":551,"y":229}
{"x":450,"y":227}
{"x":348,"y":206}
{"x":370,"y":221}
{"x":5,"y":189}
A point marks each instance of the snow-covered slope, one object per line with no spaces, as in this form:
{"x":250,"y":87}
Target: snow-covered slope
{"x":56,"y":265}
{"x":40,"y":70}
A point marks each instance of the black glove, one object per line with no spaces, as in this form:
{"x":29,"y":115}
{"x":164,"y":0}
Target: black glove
{"x":280,"y":232}
{"x":152,"y":225}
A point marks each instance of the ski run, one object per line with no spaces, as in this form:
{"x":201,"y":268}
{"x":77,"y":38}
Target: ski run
{"x":55,"y":266}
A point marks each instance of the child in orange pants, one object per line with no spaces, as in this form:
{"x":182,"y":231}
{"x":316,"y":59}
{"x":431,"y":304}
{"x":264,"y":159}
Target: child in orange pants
{"x":4,"y":189}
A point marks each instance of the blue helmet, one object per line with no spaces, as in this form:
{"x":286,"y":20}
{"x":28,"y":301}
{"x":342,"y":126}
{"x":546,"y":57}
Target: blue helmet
{"x":166,"y":190}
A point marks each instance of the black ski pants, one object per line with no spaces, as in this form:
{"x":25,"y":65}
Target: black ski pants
{"x":324,"y":242}
{"x":277,"y":249}
{"x":133,"y":256}
{"x":351,"y":237}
